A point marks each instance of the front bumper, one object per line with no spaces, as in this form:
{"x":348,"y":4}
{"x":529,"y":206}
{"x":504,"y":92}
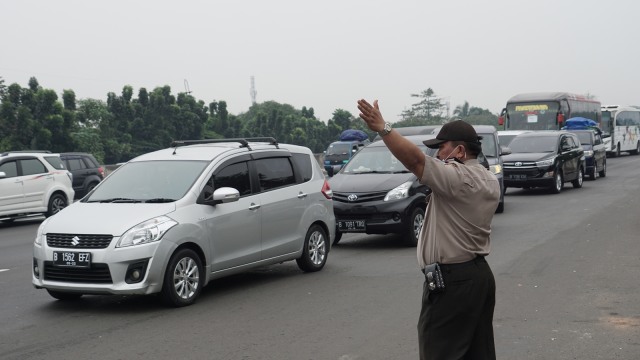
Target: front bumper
{"x":529,"y":177}
{"x":108,"y":271}
{"x":380,"y":217}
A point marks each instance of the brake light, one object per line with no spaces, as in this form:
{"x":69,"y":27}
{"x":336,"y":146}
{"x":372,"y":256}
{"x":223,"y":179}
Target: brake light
{"x":326,"y":190}
{"x":560,"y":118}
{"x":101,"y":171}
{"x":501,"y":120}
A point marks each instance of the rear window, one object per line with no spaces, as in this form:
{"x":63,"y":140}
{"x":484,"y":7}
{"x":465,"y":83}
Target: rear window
{"x":303,"y":162}
{"x":585,"y":138}
{"x":55,"y":161}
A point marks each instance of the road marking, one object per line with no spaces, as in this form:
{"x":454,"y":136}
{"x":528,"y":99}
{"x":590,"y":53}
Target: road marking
{"x":1,"y":270}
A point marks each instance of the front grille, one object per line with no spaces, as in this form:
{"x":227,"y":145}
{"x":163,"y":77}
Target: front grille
{"x":84,"y":241}
{"x":362,"y":197}
{"x":373,"y":218}
{"x":96,"y":274}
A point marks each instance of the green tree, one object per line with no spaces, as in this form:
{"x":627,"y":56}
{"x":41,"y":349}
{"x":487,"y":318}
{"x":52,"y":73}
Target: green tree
{"x":429,"y":109}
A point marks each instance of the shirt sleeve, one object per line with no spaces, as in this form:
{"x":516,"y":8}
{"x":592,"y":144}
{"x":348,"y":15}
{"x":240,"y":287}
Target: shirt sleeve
{"x":442,"y":178}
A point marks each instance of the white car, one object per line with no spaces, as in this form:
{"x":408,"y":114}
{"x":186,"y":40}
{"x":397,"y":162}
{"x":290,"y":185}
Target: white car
{"x":33,"y":184}
{"x":172,"y":220}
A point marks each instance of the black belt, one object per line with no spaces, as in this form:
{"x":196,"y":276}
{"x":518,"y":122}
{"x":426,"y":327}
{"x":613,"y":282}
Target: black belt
{"x":449,"y":267}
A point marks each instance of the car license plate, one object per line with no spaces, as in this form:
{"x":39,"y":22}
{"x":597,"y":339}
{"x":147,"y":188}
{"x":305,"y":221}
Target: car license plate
{"x":351,"y":226}
{"x":72,"y":259}
{"x":518,"y":177}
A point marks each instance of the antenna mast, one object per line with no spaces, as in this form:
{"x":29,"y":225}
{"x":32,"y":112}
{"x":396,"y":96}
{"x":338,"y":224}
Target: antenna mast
{"x":186,"y":87}
{"x":253,"y":91}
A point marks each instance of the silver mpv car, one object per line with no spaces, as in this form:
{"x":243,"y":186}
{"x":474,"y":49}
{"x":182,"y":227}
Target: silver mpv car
{"x":172,"y":220}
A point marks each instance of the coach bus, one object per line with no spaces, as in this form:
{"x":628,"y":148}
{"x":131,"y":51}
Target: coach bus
{"x":546,"y":110}
{"x":621,"y":128}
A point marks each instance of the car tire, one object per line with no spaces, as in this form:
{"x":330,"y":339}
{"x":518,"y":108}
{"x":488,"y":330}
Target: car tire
{"x":558,"y":182}
{"x":603,"y":172}
{"x":64,"y":296}
{"x":500,"y":208}
{"x":637,"y":149}
{"x":577,"y":183}
{"x":57,"y":202}
{"x":314,"y":250}
{"x":593,"y":174}
{"x":90,"y":187}
{"x":337,"y":238}
{"x":183,"y":278}
{"x":414,"y":225}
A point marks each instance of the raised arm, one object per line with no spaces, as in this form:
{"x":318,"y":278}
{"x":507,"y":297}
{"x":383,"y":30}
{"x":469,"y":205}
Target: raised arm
{"x":405,"y":151}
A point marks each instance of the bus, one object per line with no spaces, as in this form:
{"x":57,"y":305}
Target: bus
{"x":547,"y":110}
{"x":621,"y":128}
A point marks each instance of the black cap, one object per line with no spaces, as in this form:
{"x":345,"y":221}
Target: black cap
{"x":457,"y":130}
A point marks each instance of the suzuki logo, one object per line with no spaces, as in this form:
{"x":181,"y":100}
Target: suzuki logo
{"x":352,"y":197}
{"x":75,"y":241}
{"x":518,"y":163}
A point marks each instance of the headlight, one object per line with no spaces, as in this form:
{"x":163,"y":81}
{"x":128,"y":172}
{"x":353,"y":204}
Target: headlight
{"x":588,"y":153}
{"x":496,"y":169}
{"x":399,"y":192}
{"x":40,"y":236}
{"x":547,"y":162}
{"x":147,"y":232}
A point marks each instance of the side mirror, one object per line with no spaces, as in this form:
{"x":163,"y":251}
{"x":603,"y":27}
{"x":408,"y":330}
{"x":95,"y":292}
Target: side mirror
{"x":220,"y":196}
{"x":504,"y":150}
{"x":2,"y":175}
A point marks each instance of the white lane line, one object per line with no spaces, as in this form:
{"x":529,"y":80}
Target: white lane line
{"x":1,"y":270}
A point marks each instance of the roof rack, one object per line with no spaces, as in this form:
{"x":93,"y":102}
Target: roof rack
{"x":25,"y":151}
{"x":244,"y":142}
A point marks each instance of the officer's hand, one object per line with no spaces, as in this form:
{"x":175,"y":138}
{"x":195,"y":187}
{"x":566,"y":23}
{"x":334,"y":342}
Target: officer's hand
{"x":371,"y":115}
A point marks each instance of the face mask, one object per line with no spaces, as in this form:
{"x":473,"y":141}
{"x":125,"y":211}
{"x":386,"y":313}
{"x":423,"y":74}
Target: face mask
{"x":446,"y":159}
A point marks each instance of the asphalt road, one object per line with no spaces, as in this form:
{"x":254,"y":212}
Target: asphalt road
{"x":567,"y":269}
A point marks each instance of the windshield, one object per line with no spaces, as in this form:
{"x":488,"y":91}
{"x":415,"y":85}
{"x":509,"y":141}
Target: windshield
{"x":534,"y":144}
{"x":338,"y":151}
{"x":506,"y":139}
{"x":489,"y":148}
{"x":585,"y":137}
{"x":532,"y":116}
{"x":149,"y":181}
{"x":607,"y":123}
{"x":376,"y":159}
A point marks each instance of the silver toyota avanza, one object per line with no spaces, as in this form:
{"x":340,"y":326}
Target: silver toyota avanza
{"x":172,"y":220}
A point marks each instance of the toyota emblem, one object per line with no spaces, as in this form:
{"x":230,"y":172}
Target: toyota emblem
{"x":518,"y":163}
{"x":352,"y":197}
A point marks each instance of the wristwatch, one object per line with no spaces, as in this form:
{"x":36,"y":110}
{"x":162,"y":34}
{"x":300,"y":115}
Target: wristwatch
{"x":386,"y":130}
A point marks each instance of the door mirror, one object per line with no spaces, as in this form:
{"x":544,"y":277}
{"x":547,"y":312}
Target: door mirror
{"x":504,"y":150}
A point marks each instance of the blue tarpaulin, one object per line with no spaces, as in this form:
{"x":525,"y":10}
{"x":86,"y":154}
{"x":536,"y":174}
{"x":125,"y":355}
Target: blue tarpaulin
{"x":580,"y":123}
{"x":353,"y":135}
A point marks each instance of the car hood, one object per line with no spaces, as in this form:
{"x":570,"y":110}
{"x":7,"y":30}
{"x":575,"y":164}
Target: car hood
{"x":101,"y":218}
{"x":368,"y":182}
{"x":527,"y":156}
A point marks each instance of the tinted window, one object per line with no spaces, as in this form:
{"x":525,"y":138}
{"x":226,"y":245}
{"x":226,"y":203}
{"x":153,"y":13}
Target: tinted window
{"x":10,"y":168}
{"x":234,"y":176}
{"x":303,"y":162}
{"x":55,"y":161}
{"x":32,"y":166}
{"x":76,"y":164}
{"x":274,"y":173}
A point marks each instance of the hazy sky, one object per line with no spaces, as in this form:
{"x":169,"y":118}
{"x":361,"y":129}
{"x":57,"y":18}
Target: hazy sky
{"x":327,"y":54}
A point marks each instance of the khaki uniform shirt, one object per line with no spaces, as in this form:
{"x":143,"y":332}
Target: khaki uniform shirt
{"x":457,"y":224}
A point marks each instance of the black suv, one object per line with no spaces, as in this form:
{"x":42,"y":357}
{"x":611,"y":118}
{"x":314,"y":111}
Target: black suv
{"x":375,"y":194}
{"x":544,"y":159}
{"x":87,"y":173}
{"x":595,"y":152}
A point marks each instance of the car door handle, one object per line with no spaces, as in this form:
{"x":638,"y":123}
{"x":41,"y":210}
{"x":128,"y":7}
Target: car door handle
{"x":254,"y":206}
{"x":301,"y":195}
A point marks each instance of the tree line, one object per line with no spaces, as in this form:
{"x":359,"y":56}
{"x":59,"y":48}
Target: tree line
{"x":126,"y":125}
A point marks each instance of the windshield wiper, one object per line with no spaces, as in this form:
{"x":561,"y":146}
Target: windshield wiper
{"x":117,"y":200}
{"x":159,"y":200}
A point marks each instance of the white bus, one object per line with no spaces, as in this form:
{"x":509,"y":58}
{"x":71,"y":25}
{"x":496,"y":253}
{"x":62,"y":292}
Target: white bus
{"x":621,"y":129}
